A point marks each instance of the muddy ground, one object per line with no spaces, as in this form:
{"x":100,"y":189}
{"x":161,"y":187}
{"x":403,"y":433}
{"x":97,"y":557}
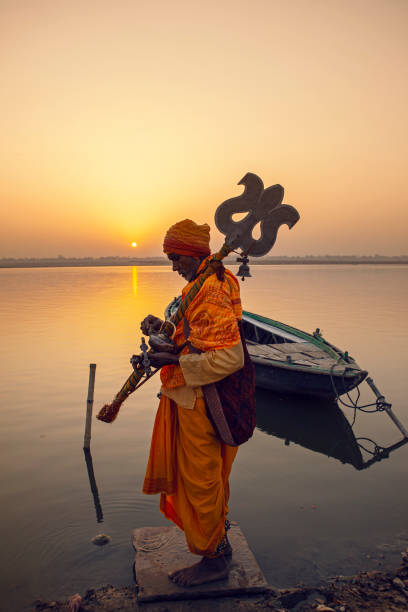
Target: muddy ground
{"x":375,"y":591}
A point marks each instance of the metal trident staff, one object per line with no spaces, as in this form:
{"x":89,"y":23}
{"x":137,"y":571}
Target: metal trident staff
{"x":262,"y":206}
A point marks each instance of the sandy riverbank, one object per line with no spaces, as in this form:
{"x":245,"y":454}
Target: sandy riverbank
{"x":375,"y":591}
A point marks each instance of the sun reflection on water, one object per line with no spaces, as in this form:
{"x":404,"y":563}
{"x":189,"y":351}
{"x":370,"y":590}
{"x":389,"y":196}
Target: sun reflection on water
{"x":134,"y":280}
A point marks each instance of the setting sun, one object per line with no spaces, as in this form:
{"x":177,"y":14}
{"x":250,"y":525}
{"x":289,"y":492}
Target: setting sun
{"x":134,"y":244}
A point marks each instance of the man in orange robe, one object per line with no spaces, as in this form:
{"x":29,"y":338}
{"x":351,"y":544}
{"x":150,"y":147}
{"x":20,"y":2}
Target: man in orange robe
{"x":189,"y":465}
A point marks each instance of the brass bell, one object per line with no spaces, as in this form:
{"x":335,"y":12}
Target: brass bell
{"x":243,"y":270}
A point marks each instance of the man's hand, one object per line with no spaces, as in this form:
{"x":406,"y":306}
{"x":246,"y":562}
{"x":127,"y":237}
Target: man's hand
{"x":158,"y":360}
{"x":150,"y":324}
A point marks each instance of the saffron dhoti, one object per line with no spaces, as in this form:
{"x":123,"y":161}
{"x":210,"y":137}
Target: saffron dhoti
{"x":190,"y":467}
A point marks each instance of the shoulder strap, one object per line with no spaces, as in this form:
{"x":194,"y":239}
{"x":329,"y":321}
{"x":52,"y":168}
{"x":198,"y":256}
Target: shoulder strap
{"x":186,"y":330}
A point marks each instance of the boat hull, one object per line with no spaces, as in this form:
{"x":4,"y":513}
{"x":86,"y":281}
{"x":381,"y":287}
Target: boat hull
{"x":291,"y":381}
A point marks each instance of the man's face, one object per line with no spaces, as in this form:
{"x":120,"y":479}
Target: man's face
{"x":185,"y":265}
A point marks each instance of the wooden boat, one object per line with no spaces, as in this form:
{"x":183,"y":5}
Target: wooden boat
{"x":288,"y":360}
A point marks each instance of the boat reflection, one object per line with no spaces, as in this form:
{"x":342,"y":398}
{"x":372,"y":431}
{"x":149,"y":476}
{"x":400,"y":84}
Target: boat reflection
{"x":319,"y":425}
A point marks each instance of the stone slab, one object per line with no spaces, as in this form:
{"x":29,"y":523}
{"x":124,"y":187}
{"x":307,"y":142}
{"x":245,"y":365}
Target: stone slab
{"x":160,"y":550}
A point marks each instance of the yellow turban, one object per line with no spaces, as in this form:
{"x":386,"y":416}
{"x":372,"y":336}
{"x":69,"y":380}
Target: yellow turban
{"x":188,"y":238}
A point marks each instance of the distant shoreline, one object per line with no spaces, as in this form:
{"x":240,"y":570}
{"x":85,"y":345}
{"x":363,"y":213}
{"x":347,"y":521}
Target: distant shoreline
{"x":63,"y":262}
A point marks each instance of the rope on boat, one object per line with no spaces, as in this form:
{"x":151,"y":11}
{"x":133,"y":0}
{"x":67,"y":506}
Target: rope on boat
{"x":353,"y":403}
{"x":380,"y":405}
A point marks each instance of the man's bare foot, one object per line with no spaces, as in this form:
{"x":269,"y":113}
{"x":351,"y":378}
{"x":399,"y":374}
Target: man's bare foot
{"x":206,"y":570}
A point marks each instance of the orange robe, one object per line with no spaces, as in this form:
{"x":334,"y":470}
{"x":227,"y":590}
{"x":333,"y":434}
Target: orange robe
{"x":188,"y":464}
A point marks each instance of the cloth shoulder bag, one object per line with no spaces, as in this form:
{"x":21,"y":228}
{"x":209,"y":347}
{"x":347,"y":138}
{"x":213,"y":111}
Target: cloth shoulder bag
{"x":230,"y":401}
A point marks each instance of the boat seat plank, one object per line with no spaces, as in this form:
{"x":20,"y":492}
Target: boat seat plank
{"x":263,"y":349}
{"x":328,"y":363}
{"x":305,"y":362}
{"x":313,"y":356}
{"x":306,"y":349}
{"x":300,"y":357}
{"x":312,"y":349}
{"x":286,"y":347}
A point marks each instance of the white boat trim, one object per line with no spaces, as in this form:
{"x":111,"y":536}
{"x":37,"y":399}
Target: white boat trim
{"x":274,"y":330}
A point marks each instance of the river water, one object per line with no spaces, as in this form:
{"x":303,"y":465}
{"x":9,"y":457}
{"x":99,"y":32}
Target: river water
{"x":306,"y":515}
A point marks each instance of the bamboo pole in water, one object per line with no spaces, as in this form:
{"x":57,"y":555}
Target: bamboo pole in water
{"x":89,"y":405}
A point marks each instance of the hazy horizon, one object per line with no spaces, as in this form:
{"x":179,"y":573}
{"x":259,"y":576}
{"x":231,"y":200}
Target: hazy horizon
{"x":119,"y":119}
{"x":252,"y":260}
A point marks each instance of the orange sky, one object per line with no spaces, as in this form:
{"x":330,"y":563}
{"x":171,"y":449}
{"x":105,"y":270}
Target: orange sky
{"x":120,"y":118}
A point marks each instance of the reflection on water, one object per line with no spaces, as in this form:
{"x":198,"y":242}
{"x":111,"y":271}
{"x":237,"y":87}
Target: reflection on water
{"x":92,"y":483}
{"x":134,"y":280}
{"x":306,"y":516}
{"x":318,"y":425}
{"x":376,"y":451}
